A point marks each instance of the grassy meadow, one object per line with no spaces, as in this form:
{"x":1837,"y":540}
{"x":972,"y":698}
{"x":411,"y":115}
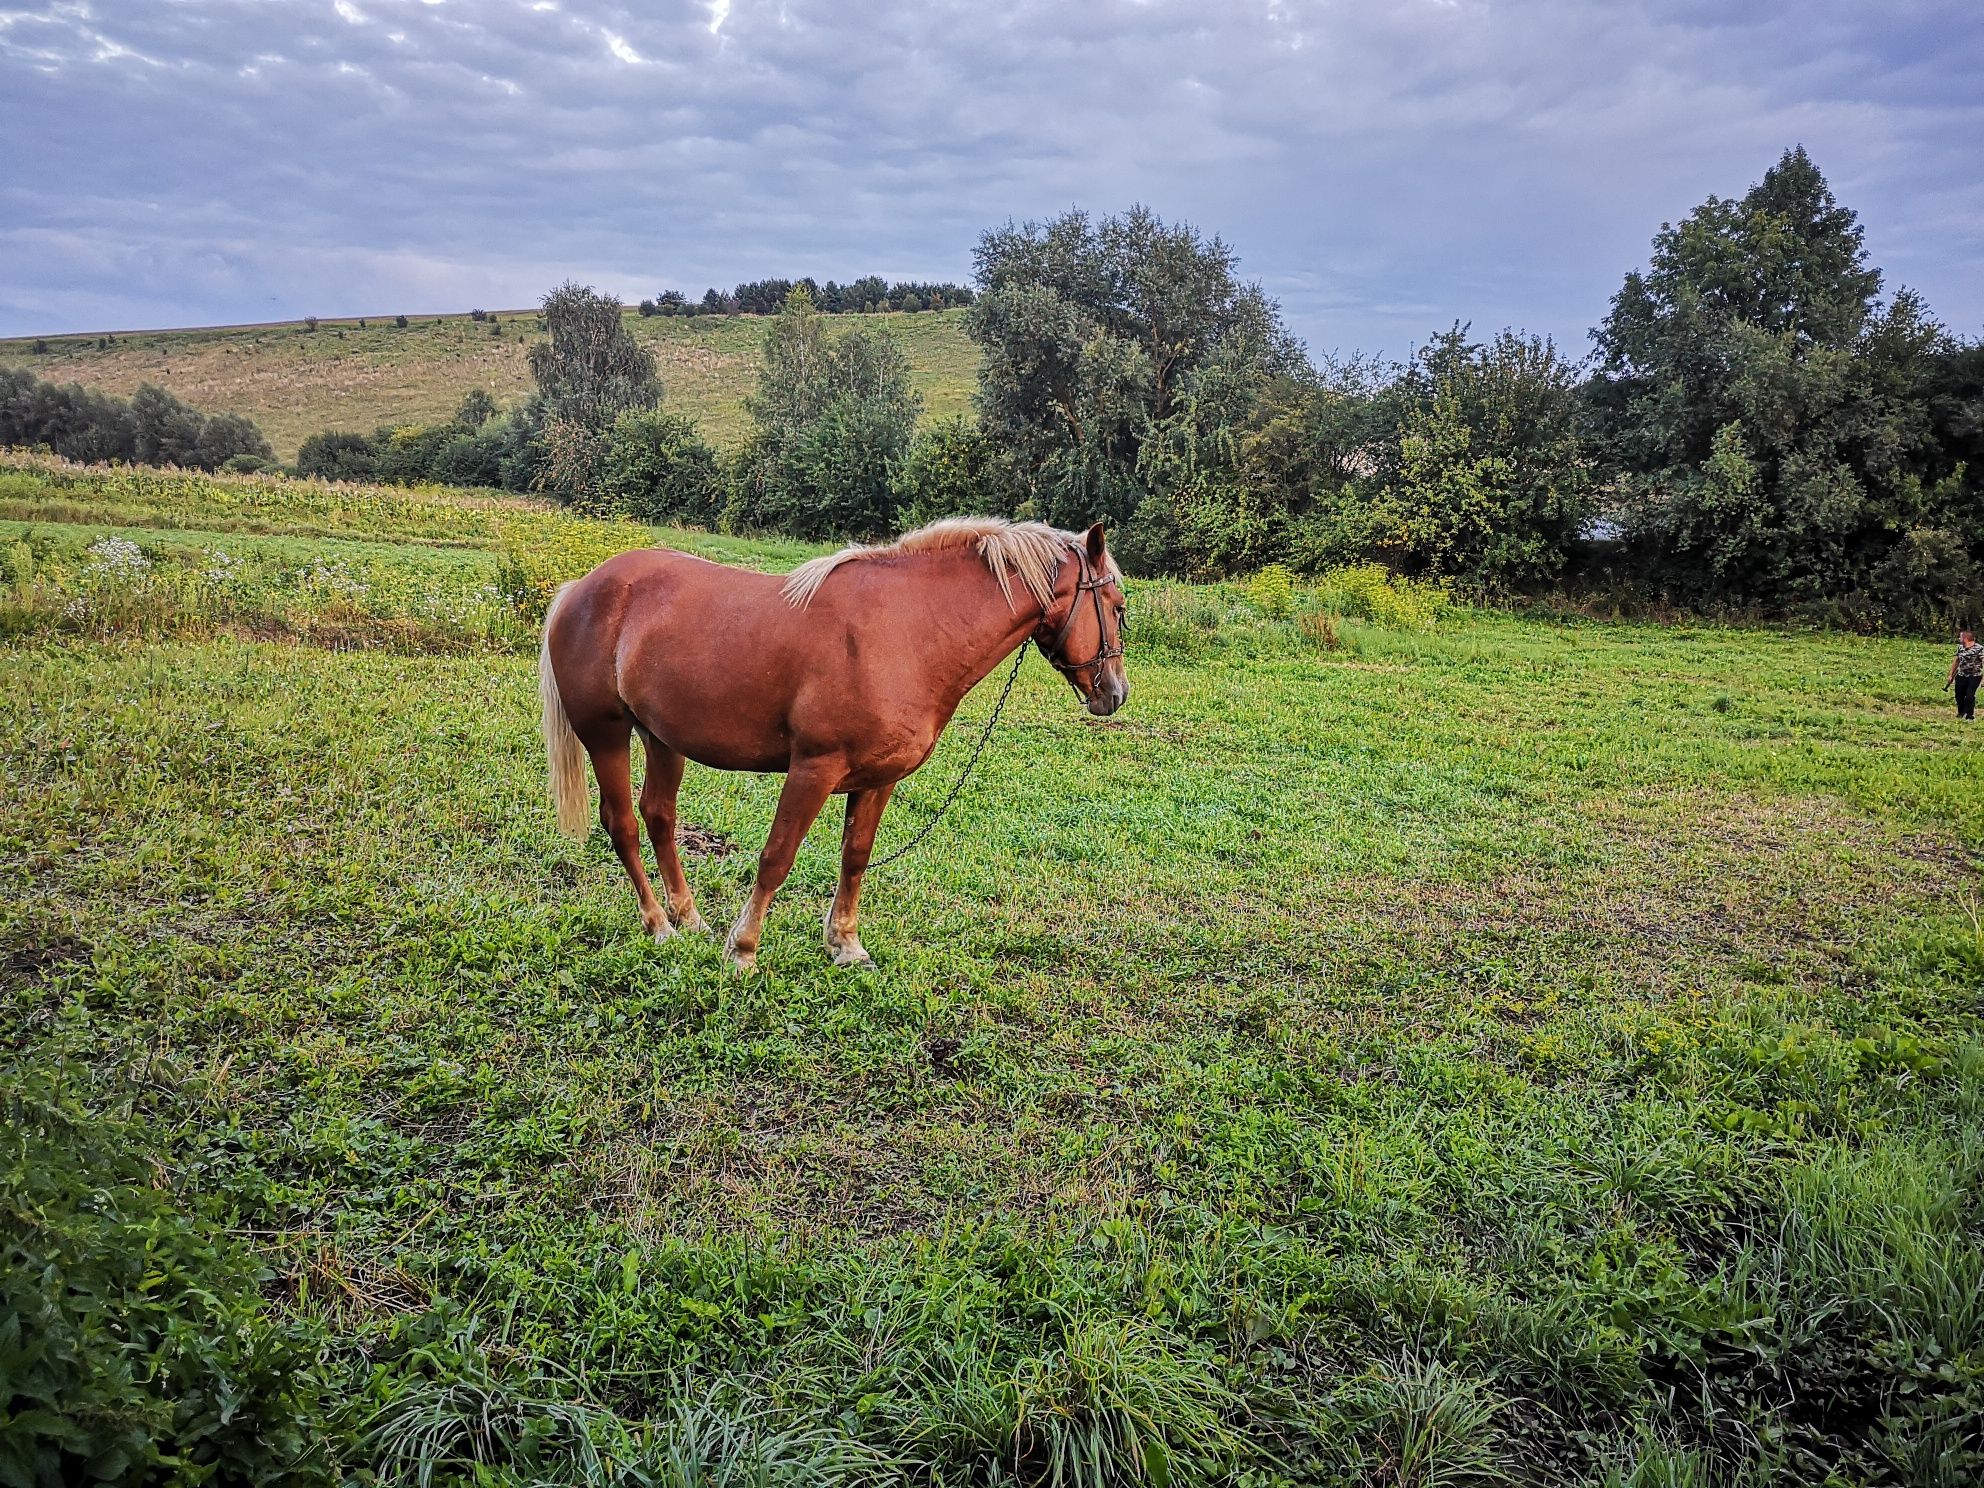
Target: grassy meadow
{"x":1511,"y":1050}
{"x":295,"y":382}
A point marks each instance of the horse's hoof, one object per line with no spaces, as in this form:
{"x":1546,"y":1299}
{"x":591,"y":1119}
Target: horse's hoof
{"x":854,"y":958}
{"x":660,"y":932}
{"x":694,"y":925}
{"x":741,"y":962}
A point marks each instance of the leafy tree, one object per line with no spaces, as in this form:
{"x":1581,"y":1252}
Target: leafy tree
{"x":590,"y":369}
{"x":1767,"y":412}
{"x":228,"y":437}
{"x":949,"y":470}
{"x":659,"y":469}
{"x":1488,"y":479}
{"x":477,"y":408}
{"x":832,"y":421}
{"x":1093,"y":333}
{"x":671,"y":302}
{"x":168,"y":432}
{"x":338,"y":455}
{"x":71,"y":421}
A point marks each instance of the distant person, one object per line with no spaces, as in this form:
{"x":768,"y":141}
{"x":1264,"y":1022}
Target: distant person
{"x":1965,"y":673}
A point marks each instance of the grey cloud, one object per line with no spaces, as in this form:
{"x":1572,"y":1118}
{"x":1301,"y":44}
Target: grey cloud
{"x":1383,"y":169}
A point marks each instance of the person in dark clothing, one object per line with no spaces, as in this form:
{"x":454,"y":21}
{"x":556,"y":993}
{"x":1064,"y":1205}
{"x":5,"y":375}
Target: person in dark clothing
{"x":1965,"y":673}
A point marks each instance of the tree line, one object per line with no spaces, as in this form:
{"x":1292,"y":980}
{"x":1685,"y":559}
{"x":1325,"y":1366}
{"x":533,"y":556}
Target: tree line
{"x":1758,"y":430}
{"x":151,"y":427}
{"x":870,"y":295}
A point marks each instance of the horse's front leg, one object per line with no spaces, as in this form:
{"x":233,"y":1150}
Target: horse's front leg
{"x":857,"y":841}
{"x":807,"y":785}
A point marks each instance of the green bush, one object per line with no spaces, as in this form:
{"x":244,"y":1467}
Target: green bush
{"x":949,"y":471}
{"x":474,"y":459}
{"x":1369,"y":591}
{"x":658,"y":469}
{"x":1272,"y":591}
{"x":338,"y":456}
{"x":135,"y":1346}
{"x":407,"y":455}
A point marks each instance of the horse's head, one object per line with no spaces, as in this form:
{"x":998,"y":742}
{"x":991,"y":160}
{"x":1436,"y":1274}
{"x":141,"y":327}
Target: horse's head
{"x":1087,"y":647}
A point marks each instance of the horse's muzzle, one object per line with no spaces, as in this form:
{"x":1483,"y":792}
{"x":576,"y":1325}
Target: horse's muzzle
{"x":1110,"y":694}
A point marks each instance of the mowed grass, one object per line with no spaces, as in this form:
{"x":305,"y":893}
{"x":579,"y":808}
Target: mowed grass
{"x":1522,"y":1050}
{"x":295,"y":382}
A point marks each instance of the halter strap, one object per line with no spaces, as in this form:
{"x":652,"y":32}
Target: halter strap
{"x":1092,"y":582}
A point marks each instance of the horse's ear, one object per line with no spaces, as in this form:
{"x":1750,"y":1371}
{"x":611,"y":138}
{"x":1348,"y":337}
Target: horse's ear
{"x":1095,"y":543}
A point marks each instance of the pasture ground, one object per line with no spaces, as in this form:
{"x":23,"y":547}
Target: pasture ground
{"x":295,"y":382}
{"x":1530,"y":1049}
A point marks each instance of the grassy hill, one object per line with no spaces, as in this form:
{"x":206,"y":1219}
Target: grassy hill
{"x":1511,"y":1051}
{"x":295,"y":382}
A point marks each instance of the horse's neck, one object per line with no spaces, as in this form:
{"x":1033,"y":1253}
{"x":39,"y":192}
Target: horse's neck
{"x":982,"y":629}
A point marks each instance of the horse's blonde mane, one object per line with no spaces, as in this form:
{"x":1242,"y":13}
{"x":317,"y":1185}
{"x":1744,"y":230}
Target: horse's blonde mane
{"x":1033,"y":550}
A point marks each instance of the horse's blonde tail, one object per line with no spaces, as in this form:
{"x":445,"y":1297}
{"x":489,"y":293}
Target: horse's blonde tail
{"x":562,"y":750}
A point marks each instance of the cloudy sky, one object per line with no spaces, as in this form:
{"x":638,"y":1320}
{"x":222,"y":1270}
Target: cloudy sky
{"x":1383,"y":167}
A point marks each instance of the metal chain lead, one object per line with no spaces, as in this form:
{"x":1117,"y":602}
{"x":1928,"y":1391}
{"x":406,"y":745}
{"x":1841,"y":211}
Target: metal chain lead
{"x":930,"y":826}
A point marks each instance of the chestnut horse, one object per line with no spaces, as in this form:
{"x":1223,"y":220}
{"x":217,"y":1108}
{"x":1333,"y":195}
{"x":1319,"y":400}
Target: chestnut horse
{"x":842,"y":675}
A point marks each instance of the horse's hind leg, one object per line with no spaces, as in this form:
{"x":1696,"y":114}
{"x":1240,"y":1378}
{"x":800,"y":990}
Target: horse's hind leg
{"x":857,"y":842}
{"x":807,"y":786}
{"x":612,"y":765}
{"x":663,"y":780}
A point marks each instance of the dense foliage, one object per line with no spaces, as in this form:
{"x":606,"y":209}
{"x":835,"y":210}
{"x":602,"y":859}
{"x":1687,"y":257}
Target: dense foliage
{"x":153,"y":427}
{"x":135,"y":1347}
{"x":833,"y":418}
{"x":1774,"y":424}
{"x":1096,"y":335}
{"x":1480,"y":472}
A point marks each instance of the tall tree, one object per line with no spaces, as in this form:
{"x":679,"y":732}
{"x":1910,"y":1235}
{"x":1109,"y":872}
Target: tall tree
{"x":1488,"y":479}
{"x":833,"y":418}
{"x":590,"y":370}
{"x":1092,"y":334}
{"x":1766,"y":410}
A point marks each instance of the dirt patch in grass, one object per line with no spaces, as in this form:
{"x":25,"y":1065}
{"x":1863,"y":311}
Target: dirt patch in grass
{"x":31,"y":960}
{"x":702,"y":842}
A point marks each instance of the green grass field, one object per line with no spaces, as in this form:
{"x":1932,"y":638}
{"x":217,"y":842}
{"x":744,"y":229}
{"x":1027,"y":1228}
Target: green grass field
{"x":1522,"y":1050}
{"x":295,"y":382}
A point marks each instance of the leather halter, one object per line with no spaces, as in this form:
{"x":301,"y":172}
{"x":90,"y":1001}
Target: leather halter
{"x":1092,"y":582}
